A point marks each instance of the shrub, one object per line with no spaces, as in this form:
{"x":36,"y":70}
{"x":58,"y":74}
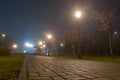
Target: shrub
{"x":4,"y":51}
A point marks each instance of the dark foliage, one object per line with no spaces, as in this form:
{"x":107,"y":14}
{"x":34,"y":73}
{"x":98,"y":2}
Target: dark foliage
{"x":5,"y":45}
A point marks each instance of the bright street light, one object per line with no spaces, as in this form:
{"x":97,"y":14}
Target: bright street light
{"x":61,"y":44}
{"x":49,"y":36}
{"x":14,"y":46}
{"x":40,"y":43}
{"x":115,"y":32}
{"x":3,"y":35}
{"x":78,"y":14}
{"x":44,"y":46}
{"x":25,"y":51}
{"x":29,"y":45}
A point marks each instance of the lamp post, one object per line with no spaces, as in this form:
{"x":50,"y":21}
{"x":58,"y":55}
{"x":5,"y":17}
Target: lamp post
{"x":44,"y":47}
{"x":78,"y":15}
{"x":40,"y":45}
{"x":49,"y":36}
{"x":116,"y":37}
{"x":61,"y":48}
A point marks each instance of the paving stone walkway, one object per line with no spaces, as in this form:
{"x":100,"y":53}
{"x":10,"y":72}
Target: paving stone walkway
{"x":48,"y":68}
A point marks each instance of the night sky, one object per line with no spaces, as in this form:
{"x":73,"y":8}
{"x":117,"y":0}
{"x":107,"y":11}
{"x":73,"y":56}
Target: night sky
{"x":29,"y":20}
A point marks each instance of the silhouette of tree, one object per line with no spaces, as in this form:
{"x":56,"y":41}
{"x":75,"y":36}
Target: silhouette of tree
{"x":107,"y":20}
{"x":5,"y":45}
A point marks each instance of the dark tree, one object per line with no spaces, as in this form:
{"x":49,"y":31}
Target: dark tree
{"x":107,"y":20}
{"x":5,"y":45}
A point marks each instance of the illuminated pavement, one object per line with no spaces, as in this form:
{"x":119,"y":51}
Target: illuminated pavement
{"x":47,"y":68}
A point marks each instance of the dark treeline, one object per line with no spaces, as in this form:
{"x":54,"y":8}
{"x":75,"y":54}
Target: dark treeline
{"x":97,"y":45}
{"x":5,"y":45}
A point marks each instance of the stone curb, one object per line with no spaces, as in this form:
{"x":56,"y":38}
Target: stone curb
{"x":23,"y":72}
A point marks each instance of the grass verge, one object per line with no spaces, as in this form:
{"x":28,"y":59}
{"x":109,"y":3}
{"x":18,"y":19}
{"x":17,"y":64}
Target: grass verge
{"x":93,"y":58}
{"x":10,"y":67}
{"x":102,"y":58}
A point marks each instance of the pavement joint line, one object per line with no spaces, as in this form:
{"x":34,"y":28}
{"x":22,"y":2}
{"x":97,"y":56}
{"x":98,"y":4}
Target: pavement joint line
{"x":51,"y":77}
{"x":71,"y":71}
{"x":55,"y":72}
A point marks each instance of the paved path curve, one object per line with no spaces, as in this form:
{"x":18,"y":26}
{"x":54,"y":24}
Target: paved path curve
{"x":48,"y":68}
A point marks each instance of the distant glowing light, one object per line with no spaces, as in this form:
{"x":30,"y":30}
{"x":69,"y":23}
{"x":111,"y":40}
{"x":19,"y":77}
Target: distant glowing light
{"x":44,"y":46}
{"x":25,"y":51}
{"x":3,"y":35}
{"x":40,"y":43}
{"x":78,"y":14}
{"x":61,"y":44}
{"x":115,"y":33}
{"x":15,"y":46}
{"x":49,"y":36}
{"x":29,"y":45}
{"x":44,"y":42}
{"x":41,"y":47}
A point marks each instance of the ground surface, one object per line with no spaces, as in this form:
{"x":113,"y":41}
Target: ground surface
{"x":49,"y":68}
{"x":10,"y":67}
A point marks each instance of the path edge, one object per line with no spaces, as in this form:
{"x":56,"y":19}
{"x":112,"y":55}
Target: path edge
{"x":23,"y":72}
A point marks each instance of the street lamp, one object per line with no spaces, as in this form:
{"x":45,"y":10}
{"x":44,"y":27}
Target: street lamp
{"x":115,"y":32}
{"x":61,"y":48}
{"x":61,"y":44}
{"x":78,"y":15}
{"x":3,"y":35}
{"x":40,"y":43}
{"x":116,"y":36}
{"x":44,"y":46}
{"x":49,"y":36}
{"x":41,"y":47}
{"x":14,"y":46}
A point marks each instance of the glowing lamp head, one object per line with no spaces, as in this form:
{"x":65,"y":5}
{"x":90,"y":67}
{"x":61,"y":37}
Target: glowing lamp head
{"x":3,"y":35}
{"x":15,"y":46}
{"x":24,"y":51}
{"x":78,"y":14}
{"x":44,"y":46}
{"x":40,"y":43}
{"x":115,"y":33}
{"x":61,"y":44}
{"x":49,"y":36}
